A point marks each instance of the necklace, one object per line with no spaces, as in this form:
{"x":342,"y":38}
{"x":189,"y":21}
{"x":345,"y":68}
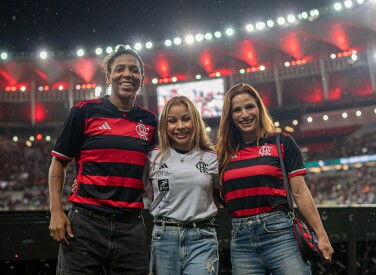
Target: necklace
{"x":181,"y":158}
{"x":123,"y":110}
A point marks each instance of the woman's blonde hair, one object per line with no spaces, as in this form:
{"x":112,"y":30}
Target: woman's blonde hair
{"x":199,"y":139}
{"x":229,"y":134}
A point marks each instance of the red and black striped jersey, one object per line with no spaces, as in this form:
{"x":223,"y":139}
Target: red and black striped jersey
{"x":253,"y":180}
{"x":110,"y":149}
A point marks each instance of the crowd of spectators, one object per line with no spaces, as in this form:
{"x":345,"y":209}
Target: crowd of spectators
{"x":24,"y":175}
{"x":354,"y":145}
{"x":24,"y":172}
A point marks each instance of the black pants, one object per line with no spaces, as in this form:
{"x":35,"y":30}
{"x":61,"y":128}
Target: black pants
{"x":104,"y":243}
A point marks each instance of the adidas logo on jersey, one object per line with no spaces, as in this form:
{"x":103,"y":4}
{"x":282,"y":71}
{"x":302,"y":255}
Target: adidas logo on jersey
{"x":163,"y":166}
{"x":105,"y":126}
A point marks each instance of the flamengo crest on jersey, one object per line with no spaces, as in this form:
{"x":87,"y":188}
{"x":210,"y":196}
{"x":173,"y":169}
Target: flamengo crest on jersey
{"x":143,"y":131}
{"x":265,"y":150}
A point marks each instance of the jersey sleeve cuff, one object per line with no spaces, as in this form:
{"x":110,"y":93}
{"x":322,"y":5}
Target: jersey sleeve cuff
{"x":60,"y":156}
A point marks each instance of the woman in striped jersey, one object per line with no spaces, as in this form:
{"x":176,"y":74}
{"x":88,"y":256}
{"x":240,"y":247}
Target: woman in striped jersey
{"x":263,"y":240}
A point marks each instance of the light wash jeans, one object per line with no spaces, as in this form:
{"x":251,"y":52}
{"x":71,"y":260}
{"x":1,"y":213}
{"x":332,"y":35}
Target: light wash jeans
{"x":188,"y":251}
{"x":266,"y":244}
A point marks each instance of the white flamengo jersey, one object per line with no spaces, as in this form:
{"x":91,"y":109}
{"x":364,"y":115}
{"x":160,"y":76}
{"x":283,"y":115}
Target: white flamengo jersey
{"x":183,"y":184}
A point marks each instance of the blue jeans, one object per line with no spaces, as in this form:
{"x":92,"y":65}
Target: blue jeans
{"x":188,"y":251}
{"x":266,"y":244}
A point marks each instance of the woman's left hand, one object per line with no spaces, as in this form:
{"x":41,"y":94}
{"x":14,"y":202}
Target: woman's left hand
{"x":325,"y":246}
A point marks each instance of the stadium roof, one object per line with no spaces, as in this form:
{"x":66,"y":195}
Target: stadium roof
{"x":301,"y":41}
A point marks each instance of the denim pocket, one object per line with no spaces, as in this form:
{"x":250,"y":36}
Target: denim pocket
{"x":277,"y":225}
{"x":72,"y":214}
{"x":207,"y":232}
{"x":157,"y":234}
{"x":235,"y":230}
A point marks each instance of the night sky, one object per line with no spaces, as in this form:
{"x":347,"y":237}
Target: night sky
{"x":67,"y":24}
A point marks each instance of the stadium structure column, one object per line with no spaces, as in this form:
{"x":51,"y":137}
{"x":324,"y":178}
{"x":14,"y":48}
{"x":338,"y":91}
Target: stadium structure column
{"x":371,"y":49}
{"x":324,"y":79}
{"x":32,"y":101}
{"x":70,"y":93}
{"x":278,"y":86}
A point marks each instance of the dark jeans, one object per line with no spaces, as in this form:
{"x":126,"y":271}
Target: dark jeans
{"x":114,"y":244}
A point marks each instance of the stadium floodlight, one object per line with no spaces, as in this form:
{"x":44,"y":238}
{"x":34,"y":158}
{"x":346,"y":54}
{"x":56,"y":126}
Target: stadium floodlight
{"x":31,"y":138}
{"x":309,"y":119}
{"x":249,"y":28}
{"x":314,"y":13}
{"x":287,"y":64}
{"x":149,"y":45}
{"x":295,"y":122}
{"x":40,"y":88}
{"x":23,"y":88}
{"x":168,"y":43}
{"x":15,"y":138}
{"x":262,"y":68}
{"x":198,"y":76}
{"x":154,"y":81}
{"x":199,"y":37}
{"x":333,"y":56}
{"x":177,"y":41}
{"x":217,"y":74}
{"x":270,"y":23}
{"x":304,"y":15}
{"x":109,"y":50}
{"x":291,"y":18}
{"x":43,"y":55}
{"x":189,"y":39}
{"x":98,"y":51}
{"x":217,"y":34}
{"x":208,"y":36}
{"x":360,"y":1}
{"x":325,"y":117}
{"x":61,"y":87}
{"x":48,"y":138}
{"x":174,"y":79}
{"x":348,"y":4}
{"x":241,"y":71}
{"x":260,"y":25}
{"x":80,"y":52}
{"x":281,"y":21}
{"x":229,"y":31}
{"x":138,"y":46}
{"x":208,"y":129}
{"x":344,"y":115}
{"x":354,"y":57}
{"x":78,"y":87}
{"x":276,"y":123}
{"x":374,"y":110}
{"x":128,"y":47}
{"x":337,"y":6}
{"x":4,"y":55}
{"x":358,"y":113}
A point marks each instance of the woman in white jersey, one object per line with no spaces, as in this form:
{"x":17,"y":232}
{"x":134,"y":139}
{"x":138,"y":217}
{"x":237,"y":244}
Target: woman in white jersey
{"x":181,"y":172}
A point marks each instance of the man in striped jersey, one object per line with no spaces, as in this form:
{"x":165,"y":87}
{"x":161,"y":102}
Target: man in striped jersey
{"x":109,"y":138}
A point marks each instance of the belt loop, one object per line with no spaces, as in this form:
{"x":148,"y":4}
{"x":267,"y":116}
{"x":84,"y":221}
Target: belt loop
{"x":194,"y":224}
{"x":163,"y":225}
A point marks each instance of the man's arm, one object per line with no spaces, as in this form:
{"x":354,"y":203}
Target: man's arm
{"x":59,"y":221}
